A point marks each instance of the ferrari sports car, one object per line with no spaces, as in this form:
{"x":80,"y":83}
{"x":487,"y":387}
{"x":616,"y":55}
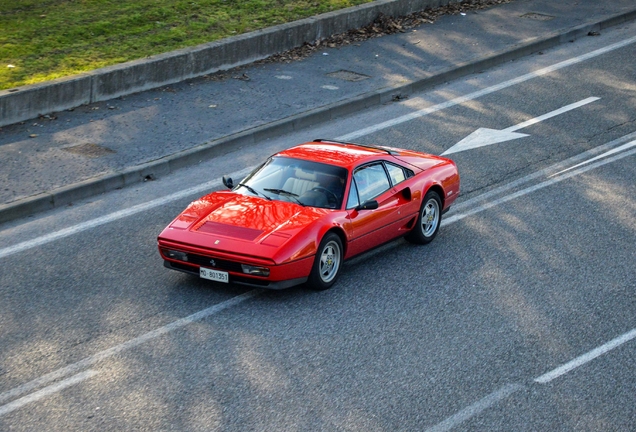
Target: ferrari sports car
{"x":305,"y":210}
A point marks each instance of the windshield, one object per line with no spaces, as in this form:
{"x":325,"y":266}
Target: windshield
{"x":303,"y":182}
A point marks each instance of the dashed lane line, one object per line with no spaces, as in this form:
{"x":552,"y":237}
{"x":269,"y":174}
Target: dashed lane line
{"x":586,"y":358}
{"x":476,"y":408}
{"x":82,"y":364}
{"x":102,"y":355}
{"x":54,"y":388}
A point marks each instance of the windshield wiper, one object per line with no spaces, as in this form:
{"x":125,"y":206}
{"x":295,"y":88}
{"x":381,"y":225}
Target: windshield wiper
{"x":286,"y":193}
{"x":254,"y":191}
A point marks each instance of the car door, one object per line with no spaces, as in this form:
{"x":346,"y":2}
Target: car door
{"x":370,"y":228}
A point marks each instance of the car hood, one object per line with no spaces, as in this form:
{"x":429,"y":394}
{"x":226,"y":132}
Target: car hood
{"x":246,"y":218}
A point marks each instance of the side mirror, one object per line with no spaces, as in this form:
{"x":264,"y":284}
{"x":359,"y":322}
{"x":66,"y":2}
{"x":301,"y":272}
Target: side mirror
{"x":368,"y":205}
{"x":227,"y":181}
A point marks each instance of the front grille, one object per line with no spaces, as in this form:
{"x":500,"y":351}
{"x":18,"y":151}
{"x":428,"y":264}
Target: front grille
{"x":218,"y":263}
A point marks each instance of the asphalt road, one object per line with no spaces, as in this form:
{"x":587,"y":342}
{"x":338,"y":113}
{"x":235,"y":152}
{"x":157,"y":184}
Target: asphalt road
{"x":533,"y":269}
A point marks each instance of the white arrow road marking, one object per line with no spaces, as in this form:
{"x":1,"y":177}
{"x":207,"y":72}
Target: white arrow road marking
{"x":484,"y":137}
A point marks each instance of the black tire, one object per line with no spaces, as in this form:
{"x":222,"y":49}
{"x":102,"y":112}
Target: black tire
{"x":327,"y":263}
{"x":428,"y":221}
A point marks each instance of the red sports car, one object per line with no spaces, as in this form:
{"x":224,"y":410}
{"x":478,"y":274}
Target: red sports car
{"x":299,"y":215}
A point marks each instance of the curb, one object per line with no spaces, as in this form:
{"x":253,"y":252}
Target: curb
{"x":27,"y":102}
{"x":134,"y":175}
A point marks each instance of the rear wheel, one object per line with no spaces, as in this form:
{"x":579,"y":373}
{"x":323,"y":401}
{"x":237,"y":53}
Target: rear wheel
{"x":428,"y":220}
{"x":327,"y":263}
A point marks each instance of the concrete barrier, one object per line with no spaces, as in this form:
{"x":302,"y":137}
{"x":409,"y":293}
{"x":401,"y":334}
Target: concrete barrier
{"x":30,"y":101}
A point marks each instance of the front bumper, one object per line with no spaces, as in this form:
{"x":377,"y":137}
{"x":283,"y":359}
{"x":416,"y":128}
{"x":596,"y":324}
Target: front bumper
{"x":281,"y":277}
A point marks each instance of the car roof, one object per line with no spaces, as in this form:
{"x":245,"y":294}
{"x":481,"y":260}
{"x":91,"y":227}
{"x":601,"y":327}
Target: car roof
{"x":346,"y":155}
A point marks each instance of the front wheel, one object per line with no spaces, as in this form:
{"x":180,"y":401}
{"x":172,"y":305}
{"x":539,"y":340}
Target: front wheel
{"x":327,"y":263}
{"x":428,"y":220}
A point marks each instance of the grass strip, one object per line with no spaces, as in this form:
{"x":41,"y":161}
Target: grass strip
{"x":44,"y":40}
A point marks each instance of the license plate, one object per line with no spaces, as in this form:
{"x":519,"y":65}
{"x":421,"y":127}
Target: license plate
{"x":214,"y":275}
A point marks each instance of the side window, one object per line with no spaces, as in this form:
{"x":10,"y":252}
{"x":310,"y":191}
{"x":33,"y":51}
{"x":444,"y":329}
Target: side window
{"x":396,"y":173}
{"x":371,"y":181}
{"x":353,"y":200}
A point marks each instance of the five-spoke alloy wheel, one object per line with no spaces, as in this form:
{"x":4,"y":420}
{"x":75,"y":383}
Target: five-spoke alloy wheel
{"x":327,"y":263}
{"x":428,"y":220}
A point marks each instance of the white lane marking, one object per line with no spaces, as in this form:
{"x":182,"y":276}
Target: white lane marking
{"x":233,"y":301}
{"x":458,"y":216}
{"x":601,"y":156}
{"x":88,"y":361}
{"x":356,"y":134}
{"x":476,"y":408}
{"x":484,"y":136}
{"x":486,"y":91}
{"x":545,"y":172}
{"x":82,"y":364}
{"x":111,"y":217}
{"x":585,"y":358}
{"x":552,"y":114}
{"x":39,"y":241}
{"x":493,"y":398}
{"x":54,"y":388}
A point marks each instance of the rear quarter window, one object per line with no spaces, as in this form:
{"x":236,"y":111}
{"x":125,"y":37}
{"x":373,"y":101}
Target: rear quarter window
{"x":397,"y":173}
